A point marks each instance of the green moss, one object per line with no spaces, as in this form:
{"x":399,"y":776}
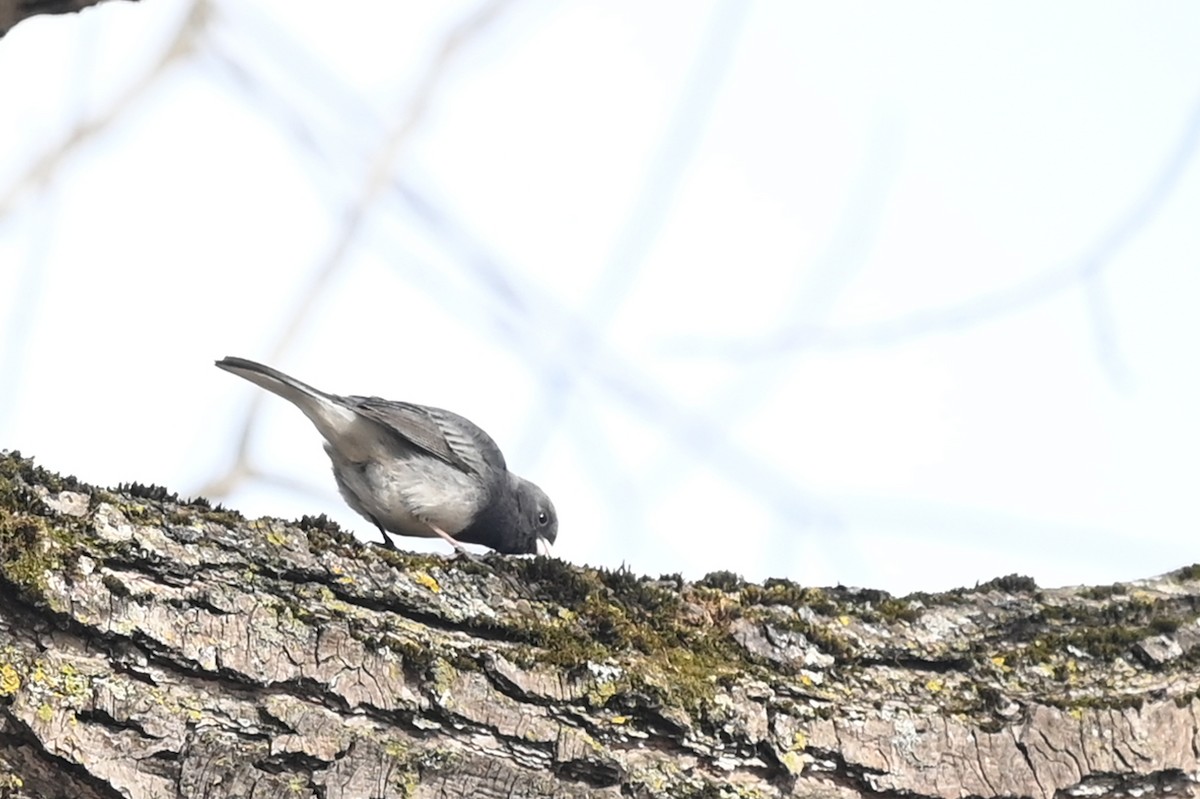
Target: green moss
{"x":1009,"y":584}
{"x":1164,"y":625}
{"x":1102,"y":592}
{"x":13,"y":466}
{"x":222,"y":516}
{"x":30,"y":550}
{"x":19,"y":498}
{"x":324,"y":524}
{"x":614,"y":616}
{"x":1012,"y":584}
{"x":1188,"y":572}
{"x":398,"y":558}
{"x":417,"y":656}
{"x":152,"y":492}
{"x":775,"y":591}
{"x":558,"y":581}
{"x":952,"y":598}
{"x":644,"y":598}
{"x":874,"y":606}
{"x":1104,"y":631}
{"x":821,"y":636}
{"x":893,"y":610}
{"x":687,"y":679}
{"x":1100,"y":701}
{"x":725,"y":581}
{"x":140,"y":512}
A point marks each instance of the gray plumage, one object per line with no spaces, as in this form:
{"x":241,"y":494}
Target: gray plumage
{"x":415,"y":470}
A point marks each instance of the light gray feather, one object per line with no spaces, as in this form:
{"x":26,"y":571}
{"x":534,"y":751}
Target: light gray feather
{"x":445,"y":435}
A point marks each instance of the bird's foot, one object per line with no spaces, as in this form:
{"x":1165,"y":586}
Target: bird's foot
{"x":387,"y":539}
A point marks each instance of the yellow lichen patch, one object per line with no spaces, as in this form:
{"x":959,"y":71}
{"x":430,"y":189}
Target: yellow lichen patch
{"x":793,"y":762}
{"x":340,"y":576}
{"x":799,"y":741}
{"x":619,"y":720}
{"x":426,"y":579}
{"x":10,"y":681}
{"x":276,"y":538}
{"x":1143,"y":598}
{"x":74,"y":684}
{"x":599,"y":696}
{"x":934,"y":686}
{"x":844,"y":620}
{"x":45,"y":713}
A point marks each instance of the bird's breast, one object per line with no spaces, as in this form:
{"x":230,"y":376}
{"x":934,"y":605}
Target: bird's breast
{"x":407,"y":494}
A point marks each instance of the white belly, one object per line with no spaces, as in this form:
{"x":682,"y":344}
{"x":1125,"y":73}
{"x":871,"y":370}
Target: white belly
{"x":407,"y":495}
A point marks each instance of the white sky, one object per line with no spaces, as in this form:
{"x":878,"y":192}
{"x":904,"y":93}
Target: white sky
{"x":899,"y":295}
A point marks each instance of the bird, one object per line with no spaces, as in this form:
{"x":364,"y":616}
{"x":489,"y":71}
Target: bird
{"x":415,"y":470}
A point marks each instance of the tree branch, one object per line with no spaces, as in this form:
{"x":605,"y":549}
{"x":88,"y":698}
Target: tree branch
{"x":151,"y":647}
{"x":13,"y":11}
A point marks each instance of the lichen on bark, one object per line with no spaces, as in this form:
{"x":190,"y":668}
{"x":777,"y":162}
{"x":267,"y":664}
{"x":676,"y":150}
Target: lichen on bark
{"x":155,"y":647}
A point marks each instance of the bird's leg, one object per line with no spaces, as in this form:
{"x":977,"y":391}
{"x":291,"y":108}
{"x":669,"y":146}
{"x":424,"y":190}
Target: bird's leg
{"x":516,"y":586}
{"x":387,"y":541}
{"x":454,"y":543}
{"x":519,"y":589}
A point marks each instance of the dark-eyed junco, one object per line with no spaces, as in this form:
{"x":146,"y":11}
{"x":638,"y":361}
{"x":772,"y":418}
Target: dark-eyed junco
{"x":419,"y":471}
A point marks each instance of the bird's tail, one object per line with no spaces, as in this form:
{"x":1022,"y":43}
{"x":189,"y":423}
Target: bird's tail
{"x":273,"y":380}
{"x":334,"y":420}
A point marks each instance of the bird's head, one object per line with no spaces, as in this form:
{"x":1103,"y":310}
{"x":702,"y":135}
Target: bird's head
{"x":536,"y":522}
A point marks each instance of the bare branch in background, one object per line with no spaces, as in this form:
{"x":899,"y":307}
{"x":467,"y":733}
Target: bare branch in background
{"x":960,"y":316}
{"x":648,"y":212}
{"x":377,"y":181}
{"x":44,"y":167}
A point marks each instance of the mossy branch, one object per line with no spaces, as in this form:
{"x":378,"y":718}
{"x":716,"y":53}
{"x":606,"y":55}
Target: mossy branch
{"x":153,"y":647}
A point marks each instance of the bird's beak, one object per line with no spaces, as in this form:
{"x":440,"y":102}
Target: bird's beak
{"x":544,"y":548}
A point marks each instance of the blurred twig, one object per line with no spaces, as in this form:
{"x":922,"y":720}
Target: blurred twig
{"x":1081,"y":273}
{"x":43,"y":168}
{"x":538,"y":340}
{"x":664,"y":174}
{"x":375,"y":183}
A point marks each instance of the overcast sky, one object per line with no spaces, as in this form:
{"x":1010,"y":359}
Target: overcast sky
{"x":895,"y":295}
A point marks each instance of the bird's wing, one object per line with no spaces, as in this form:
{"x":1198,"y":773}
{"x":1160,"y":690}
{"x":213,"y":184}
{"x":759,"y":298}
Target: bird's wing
{"x":443,"y":434}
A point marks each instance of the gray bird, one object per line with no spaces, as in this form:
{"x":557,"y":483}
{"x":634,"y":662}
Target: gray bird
{"x":420,"y":471}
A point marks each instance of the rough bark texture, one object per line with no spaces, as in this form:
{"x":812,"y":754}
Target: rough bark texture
{"x":13,"y":11}
{"x":153,"y":648}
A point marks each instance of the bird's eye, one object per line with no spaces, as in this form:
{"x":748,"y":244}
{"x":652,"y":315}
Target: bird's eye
{"x":543,"y":519}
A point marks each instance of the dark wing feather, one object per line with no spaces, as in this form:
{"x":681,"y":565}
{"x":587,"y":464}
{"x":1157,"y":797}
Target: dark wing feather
{"x":445,"y":435}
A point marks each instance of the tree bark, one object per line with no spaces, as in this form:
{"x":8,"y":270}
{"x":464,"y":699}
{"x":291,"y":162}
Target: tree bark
{"x":156,"y":648}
